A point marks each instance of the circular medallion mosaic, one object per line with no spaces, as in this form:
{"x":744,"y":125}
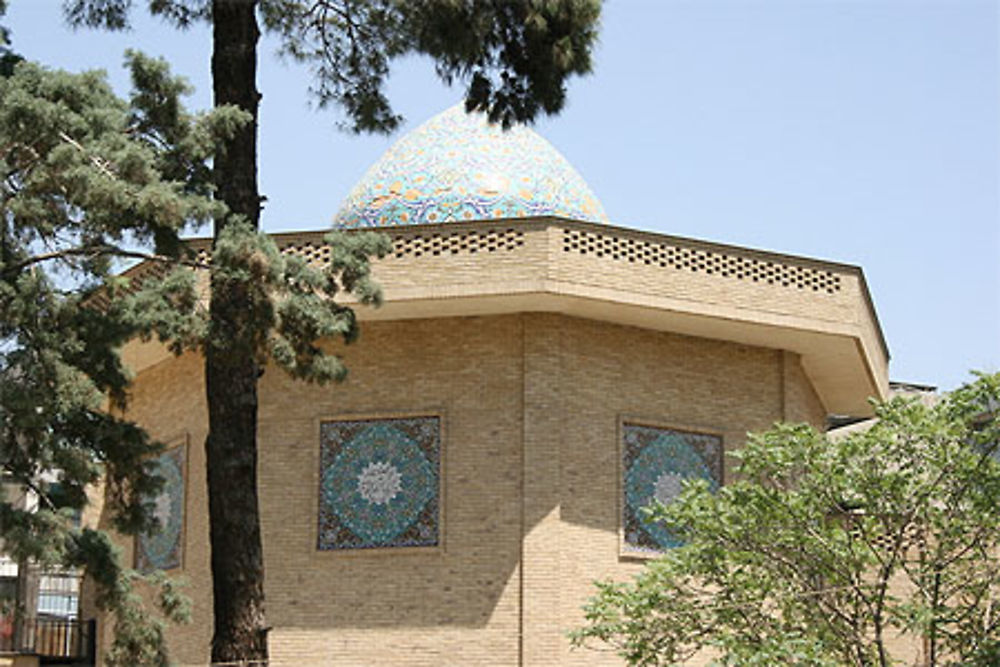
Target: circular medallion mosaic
{"x":657,"y":472}
{"x":457,"y":166}
{"x":378,"y":485}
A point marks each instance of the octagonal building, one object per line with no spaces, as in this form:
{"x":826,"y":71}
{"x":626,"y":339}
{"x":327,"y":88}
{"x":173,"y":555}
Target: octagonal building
{"x":535,"y":377}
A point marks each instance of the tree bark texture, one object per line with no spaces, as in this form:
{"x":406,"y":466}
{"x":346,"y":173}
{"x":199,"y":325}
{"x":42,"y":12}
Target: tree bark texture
{"x":231,"y":372}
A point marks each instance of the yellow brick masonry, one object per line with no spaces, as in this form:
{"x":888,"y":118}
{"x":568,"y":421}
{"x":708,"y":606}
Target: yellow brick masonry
{"x":542,"y":254}
{"x":821,"y":310}
{"x":457,"y":604}
{"x":543,"y":526}
{"x":168,"y":399}
{"x":531,"y":405}
{"x":613,"y":373}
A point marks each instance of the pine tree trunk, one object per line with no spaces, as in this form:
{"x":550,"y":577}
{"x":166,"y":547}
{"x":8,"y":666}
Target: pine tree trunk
{"x":230,"y":370}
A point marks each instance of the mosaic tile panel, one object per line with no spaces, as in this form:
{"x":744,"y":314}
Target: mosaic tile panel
{"x":457,"y":166}
{"x":162,"y":550}
{"x":655,"y":462}
{"x":379,"y":483}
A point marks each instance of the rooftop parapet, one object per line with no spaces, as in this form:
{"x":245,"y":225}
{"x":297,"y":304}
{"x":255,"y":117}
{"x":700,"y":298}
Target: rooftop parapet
{"x":817,"y":309}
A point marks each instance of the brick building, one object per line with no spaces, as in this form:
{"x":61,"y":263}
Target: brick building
{"x":535,"y":376}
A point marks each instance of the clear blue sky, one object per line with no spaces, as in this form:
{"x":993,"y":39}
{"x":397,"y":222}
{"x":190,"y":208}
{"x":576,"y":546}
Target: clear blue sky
{"x":860,"y":131}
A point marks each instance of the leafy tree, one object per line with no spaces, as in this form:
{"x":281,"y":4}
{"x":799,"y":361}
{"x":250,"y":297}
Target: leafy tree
{"x":86,"y":179}
{"x":84,"y":174}
{"x":824,"y":549}
{"x":515,"y":57}
{"x":8,"y":58}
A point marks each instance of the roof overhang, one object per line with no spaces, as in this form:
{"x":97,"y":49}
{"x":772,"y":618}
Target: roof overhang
{"x":820,"y":310}
{"x":834,"y":361}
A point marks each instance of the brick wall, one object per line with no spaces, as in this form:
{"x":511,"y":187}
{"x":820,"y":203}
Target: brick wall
{"x":168,"y":400}
{"x":531,"y":406}
{"x":457,"y":604}
{"x":611,"y":373}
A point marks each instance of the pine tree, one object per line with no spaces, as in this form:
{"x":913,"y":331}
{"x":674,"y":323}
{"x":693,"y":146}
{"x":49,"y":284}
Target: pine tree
{"x":514,"y":56}
{"x":8,"y":58}
{"x":84,"y":177}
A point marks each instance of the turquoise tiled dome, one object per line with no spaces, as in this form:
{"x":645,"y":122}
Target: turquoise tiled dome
{"x":457,"y":166}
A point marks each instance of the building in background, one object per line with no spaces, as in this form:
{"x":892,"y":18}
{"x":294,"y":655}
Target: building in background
{"x":536,"y":376}
{"x":40,"y":607}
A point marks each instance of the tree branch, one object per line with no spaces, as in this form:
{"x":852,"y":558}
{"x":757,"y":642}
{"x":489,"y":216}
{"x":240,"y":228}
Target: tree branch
{"x":104,"y":251}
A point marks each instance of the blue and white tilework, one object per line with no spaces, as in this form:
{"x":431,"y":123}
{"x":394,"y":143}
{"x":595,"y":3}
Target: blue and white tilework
{"x":379,"y":483}
{"x":655,"y":462}
{"x":162,"y":549}
{"x":457,"y":166}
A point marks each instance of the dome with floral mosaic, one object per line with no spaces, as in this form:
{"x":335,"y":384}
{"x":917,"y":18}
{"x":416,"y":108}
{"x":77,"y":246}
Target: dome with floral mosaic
{"x":457,"y":166}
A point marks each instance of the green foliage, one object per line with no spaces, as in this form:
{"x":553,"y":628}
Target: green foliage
{"x":71,"y":148}
{"x":309,"y":313}
{"x":84,"y":177}
{"x":823,"y":549}
{"x":138,"y":638}
{"x":291,"y":306}
{"x":7,"y":56}
{"x":514,"y":56}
